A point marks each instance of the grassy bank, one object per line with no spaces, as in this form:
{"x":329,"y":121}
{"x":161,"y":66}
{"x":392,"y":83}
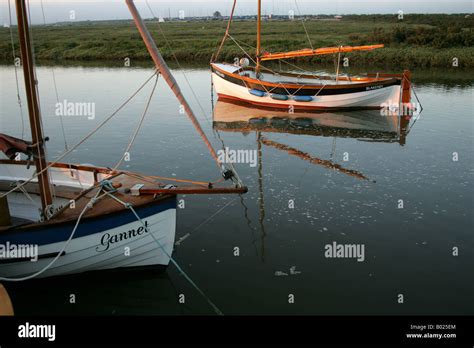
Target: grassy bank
{"x":418,"y":41}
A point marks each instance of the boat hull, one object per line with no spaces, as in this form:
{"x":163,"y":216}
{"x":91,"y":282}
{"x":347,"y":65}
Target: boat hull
{"x":114,"y":241}
{"x":108,"y":235}
{"x":368,"y":99}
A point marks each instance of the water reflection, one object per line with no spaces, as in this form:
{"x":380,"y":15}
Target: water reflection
{"x":368,"y":126}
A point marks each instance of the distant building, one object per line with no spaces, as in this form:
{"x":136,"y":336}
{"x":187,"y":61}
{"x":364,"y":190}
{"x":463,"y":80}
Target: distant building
{"x":338,"y":17}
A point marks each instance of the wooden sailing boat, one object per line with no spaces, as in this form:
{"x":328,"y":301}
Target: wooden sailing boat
{"x":91,"y":218}
{"x":260,"y":86}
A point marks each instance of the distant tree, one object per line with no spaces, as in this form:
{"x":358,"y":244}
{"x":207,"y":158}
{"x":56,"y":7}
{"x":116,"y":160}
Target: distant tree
{"x":217,"y":14}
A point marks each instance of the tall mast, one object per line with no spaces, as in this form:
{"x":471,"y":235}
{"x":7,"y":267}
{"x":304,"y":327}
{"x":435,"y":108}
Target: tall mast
{"x":259,"y":29}
{"x":165,"y":72}
{"x":33,"y":105}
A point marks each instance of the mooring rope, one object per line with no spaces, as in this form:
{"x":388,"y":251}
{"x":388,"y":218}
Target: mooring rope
{"x":204,"y":222}
{"x":173,"y":261}
{"x":60,"y":253}
{"x":106,"y":187}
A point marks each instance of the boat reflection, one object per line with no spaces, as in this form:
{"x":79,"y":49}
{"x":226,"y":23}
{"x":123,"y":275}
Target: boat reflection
{"x":369,"y":126}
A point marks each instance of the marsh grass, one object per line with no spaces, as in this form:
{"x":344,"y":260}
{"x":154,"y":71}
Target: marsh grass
{"x":418,"y":41}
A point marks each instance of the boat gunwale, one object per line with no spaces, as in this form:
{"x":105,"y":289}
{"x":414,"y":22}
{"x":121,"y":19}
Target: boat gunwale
{"x":27,"y":227}
{"x":385,"y":79}
{"x":23,"y":228}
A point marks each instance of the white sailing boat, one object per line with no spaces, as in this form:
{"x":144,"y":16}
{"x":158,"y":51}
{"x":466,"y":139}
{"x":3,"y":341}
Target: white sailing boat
{"x":91,"y":218}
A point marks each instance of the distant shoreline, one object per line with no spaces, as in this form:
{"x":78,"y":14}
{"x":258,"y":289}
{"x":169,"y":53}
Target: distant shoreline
{"x":417,"y":41}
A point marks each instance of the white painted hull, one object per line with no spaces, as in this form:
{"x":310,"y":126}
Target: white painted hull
{"x":372,"y":99}
{"x":87,"y":254}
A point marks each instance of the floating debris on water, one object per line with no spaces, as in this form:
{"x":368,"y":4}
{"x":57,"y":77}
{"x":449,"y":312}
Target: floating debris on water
{"x":280,"y":273}
{"x":293,"y":270}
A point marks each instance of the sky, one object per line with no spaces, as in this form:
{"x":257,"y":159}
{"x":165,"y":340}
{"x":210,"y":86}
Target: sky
{"x":60,"y":10}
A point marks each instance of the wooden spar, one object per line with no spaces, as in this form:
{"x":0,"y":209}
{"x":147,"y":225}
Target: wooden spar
{"x":33,"y":105}
{"x":146,"y":190}
{"x":259,"y":34}
{"x":318,"y":51}
{"x":165,"y":72}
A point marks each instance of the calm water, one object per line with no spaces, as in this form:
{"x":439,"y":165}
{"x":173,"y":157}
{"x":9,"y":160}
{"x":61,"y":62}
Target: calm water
{"x":407,"y":251}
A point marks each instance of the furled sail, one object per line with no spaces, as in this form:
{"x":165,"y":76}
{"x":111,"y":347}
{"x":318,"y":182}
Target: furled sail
{"x":10,"y":146}
{"x":319,"y":51}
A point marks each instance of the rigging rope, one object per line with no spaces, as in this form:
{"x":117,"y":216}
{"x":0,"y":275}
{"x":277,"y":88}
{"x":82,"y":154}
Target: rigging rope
{"x":134,"y":136}
{"x":214,"y":132}
{"x":56,"y":88}
{"x":304,"y":26}
{"x":214,"y":57}
{"x":16,"y":72}
{"x":95,"y":130}
{"x":177,"y":62}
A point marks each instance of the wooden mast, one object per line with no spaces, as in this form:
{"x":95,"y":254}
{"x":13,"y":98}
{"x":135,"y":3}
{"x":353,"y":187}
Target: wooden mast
{"x":259,"y":29}
{"x":165,"y":72}
{"x":33,"y":106}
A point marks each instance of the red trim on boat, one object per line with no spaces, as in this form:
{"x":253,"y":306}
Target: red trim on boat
{"x":296,"y":107}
